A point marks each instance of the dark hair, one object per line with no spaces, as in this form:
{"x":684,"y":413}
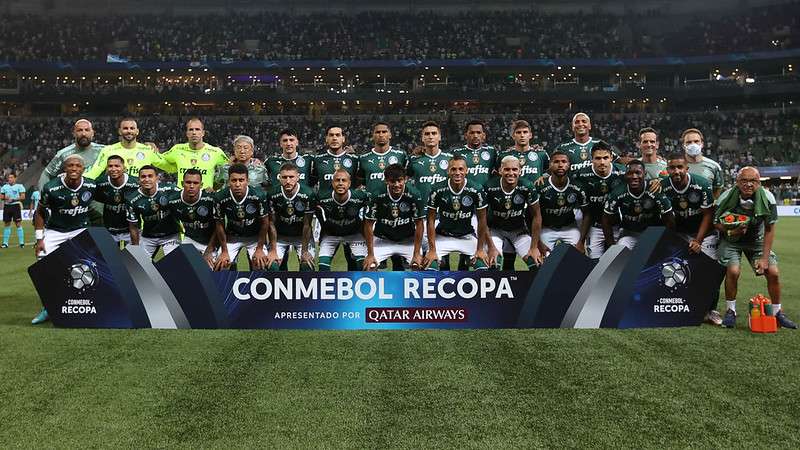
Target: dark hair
{"x":237,"y":168}
{"x":394,"y":171}
{"x":122,"y":160}
{"x":328,"y":129}
{"x":192,"y":171}
{"x":601,"y":146}
{"x":558,"y":152}
{"x":287,"y":132}
{"x":676,"y":155}
{"x":288,"y":166}
{"x":126,"y":119}
{"x":648,"y":130}
{"x":429,"y":123}
{"x":635,"y":162}
{"x":458,"y":157}
{"x":148,"y":167}
{"x":517,"y":124}
{"x":376,"y":124}
{"x":475,"y":122}
{"x":194,"y":119}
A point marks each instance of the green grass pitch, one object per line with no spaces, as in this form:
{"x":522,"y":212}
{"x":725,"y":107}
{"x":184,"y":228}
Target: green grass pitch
{"x":687,"y":387}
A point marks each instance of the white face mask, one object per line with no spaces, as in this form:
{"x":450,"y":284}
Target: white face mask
{"x":693,"y":149}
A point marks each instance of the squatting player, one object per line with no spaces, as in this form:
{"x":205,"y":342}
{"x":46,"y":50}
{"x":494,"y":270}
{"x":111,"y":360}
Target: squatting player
{"x":194,"y":208}
{"x":242,"y":220}
{"x":394,"y":222}
{"x":558,"y":200}
{"x":292,"y":206}
{"x":112,"y":190}
{"x":150,"y":221}
{"x":511,"y":201}
{"x":340,"y":214}
{"x":454,"y":203}
{"x":67,"y":198}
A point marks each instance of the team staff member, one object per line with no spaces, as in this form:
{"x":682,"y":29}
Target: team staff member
{"x":243,"y":149}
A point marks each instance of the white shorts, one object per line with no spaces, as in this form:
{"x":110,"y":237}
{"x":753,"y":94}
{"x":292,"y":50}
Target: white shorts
{"x":328,"y":245}
{"x":596,"y":241}
{"x":385,"y":249}
{"x":53,"y":239}
{"x":317,"y":232}
{"x":519,"y":241}
{"x":167,"y":243}
{"x":121,"y":237}
{"x":234,"y":246}
{"x":200,"y":247}
{"x":466,"y":245}
{"x":629,"y":239}
{"x":708,"y":246}
{"x":285,"y":243}
{"x":567,"y":235}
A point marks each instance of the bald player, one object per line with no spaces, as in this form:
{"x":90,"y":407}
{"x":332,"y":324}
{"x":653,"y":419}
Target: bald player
{"x":83,"y":133}
{"x":579,"y":149}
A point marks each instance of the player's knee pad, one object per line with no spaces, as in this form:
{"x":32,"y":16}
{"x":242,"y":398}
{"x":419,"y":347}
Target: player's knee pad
{"x":479,"y":265}
{"x":434,"y":265}
{"x":529,"y":262}
{"x":499,"y":263}
{"x":274,"y":267}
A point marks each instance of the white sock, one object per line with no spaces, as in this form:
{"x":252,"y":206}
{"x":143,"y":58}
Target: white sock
{"x":776,"y":308}
{"x":731,"y":305}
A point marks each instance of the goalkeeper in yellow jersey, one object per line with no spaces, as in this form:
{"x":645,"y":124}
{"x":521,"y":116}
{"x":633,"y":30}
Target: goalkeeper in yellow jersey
{"x":134,"y":153}
{"x":195,"y":154}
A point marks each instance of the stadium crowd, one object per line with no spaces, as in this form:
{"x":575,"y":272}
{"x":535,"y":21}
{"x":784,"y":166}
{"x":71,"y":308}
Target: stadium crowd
{"x":393,"y":35}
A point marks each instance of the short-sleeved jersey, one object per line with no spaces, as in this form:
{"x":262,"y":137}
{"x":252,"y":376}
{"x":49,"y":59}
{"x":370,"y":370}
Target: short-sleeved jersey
{"x":656,"y":170}
{"x":135,"y":158}
{"x":36,"y":196}
{"x":534,"y":163}
{"x":256,"y":174}
{"x":242,"y":218}
{"x":708,"y":169}
{"x":181,"y":157}
{"x":427,"y":171}
{"x":688,"y":203}
{"x":326,"y":164}
{"x":343,"y":219}
{"x":507,"y":209}
{"x":558,"y":204}
{"x":480,"y":162}
{"x":637,"y":212}
{"x":395,"y":218}
{"x":372,"y":164}
{"x":597,"y":189}
{"x":456,"y":209}
{"x":152,"y":212}
{"x":755,"y":229}
{"x":115,"y":215}
{"x":12,"y":193}
{"x":89,"y":155}
{"x":289,"y":212}
{"x":197,"y":217}
{"x":69,"y":208}
{"x":580,"y":155}
{"x":303,"y":163}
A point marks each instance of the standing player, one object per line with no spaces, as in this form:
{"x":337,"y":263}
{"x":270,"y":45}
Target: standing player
{"x":534,"y":162}
{"x":242,"y":219}
{"x":429,"y":168}
{"x":455,"y":202}
{"x":135,"y":154}
{"x":340,"y":213}
{"x":371,"y":165}
{"x":194,"y":208}
{"x":635,"y":208}
{"x":334,"y":158}
{"x":579,"y":148}
{"x":654,"y":165}
{"x":151,"y":222}
{"x":287,"y":139}
{"x":195,"y":154}
{"x":597,"y":181}
{"x":67,"y":198}
{"x":479,"y":156}
{"x":83,"y":133}
{"x":292,"y":206}
{"x":112,"y":190}
{"x":394,"y":222}
{"x":693,"y":204}
{"x":558,"y":200}
{"x":12,"y":194}
{"x":511,"y":201}
{"x":243,"y":149}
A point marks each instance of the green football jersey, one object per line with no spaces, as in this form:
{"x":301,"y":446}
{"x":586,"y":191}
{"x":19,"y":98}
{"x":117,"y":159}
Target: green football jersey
{"x":303,"y":163}
{"x":372,"y":164}
{"x":181,"y":157}
{"x":242,"y":218}
{"x":708,"y":169}
{"x":197,"y":217}
{"x":256,"y":174}
{"x":152,"y":212}
{"x":580,"y":155}
{"x":326,"y":164}
{"x":688,"y":203}
{"x":395,"y":218}
{"x":755,"y":229}
{"x":427,"y":171}
{"x":656,"y":170}
{"x":135,"y":158}
{"x":343,"y":219}
{"x":69,"y":208}
{"x":289,"y":212}
{"x":558,"y":205}
{"x":480,"y":162}
{"x":597,"y":189}
{"x":456,"y":209}
{"x":112,"y":197}
{"x":508,"y":210}
{"x":637,"y":212}
{"x":56,"y":165}
{"x":534,"y":163}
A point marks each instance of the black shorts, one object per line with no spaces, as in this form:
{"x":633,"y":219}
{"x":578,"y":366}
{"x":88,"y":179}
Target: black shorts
{"x":12,"y":213}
